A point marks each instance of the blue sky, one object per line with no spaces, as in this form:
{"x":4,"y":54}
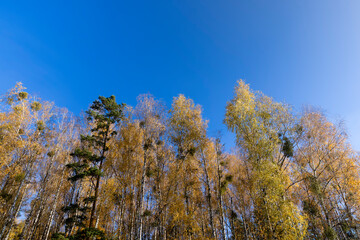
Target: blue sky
{"x":299,"y":52}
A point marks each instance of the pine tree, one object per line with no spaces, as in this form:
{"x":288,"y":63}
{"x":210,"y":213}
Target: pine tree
{"x":103,"y":114}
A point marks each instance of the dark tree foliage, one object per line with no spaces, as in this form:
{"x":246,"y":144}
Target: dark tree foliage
{"x":88,"y":163}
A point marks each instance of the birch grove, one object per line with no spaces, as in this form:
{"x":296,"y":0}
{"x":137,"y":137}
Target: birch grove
{"x":155,"y":172}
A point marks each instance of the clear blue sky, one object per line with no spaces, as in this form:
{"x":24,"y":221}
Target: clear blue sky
{"x":299,"y":52}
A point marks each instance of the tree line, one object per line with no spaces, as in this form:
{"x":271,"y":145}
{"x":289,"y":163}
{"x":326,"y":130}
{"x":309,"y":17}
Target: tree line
{"x":149,"y":172}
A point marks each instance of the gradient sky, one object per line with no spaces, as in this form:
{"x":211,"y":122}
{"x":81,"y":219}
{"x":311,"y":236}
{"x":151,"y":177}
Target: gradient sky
{"x":301,"y":52}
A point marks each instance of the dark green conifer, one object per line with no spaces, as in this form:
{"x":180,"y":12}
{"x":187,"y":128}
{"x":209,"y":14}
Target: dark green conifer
{"x":104,"y":113}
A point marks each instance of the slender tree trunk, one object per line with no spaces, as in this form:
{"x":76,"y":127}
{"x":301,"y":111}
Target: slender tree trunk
{"x":97,"y":186}
{"x":208,"y":199}
{"x":36,"y":221}
{"x":139,"y":221}
{"x":27,"y":223}
{"x":132,"y":213}
{"x":53,"y":209}
{"x":13,"y":216}
{"x":220,"y":200}
{"x":93,"y":208}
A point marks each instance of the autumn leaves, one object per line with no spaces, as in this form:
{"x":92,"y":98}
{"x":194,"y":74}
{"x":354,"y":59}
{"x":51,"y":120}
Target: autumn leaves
{"x":146,"y":172}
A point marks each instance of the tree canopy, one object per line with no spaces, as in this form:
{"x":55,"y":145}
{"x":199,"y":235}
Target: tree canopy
{"x":152,"y":172}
